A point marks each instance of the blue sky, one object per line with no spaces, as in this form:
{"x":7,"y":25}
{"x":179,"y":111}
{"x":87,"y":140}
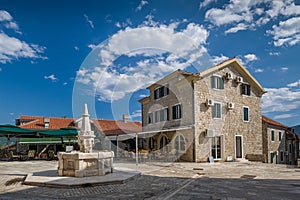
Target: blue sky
{"x":54,"y":54}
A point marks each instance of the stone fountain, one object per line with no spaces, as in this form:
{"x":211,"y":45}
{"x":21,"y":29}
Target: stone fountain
{"x":85,"y":162}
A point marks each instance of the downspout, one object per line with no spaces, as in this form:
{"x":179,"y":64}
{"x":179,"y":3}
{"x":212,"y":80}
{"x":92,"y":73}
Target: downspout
{"x":193,"y":125}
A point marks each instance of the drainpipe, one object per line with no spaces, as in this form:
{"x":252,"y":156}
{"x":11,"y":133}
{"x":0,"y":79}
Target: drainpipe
{"x":193,"y":125}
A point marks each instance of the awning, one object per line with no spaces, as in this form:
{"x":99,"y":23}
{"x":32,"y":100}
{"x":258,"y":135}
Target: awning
{"x":45,"y":140}
{"x":14,"y":131}
{"x":63,"y":132}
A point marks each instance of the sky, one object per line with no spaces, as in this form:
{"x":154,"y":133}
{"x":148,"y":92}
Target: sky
{"x":57,"y":55}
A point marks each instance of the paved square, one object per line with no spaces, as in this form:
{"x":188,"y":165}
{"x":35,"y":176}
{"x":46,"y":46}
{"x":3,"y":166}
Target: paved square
{"x":237,"y":180}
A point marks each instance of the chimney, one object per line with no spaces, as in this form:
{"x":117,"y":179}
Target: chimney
{"x":46,"y":122}
{"x":125,"y":118}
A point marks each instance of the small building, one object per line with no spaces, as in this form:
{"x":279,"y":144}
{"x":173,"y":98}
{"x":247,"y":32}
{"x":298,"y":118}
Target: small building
{"x":280,"y":143}
{"x":274,"y":141}
{"x":212,"y":114}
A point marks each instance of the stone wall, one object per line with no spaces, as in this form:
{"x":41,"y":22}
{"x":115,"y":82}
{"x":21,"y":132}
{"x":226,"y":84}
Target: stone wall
{"x":231,"y":123}
{"x":275,"y":146}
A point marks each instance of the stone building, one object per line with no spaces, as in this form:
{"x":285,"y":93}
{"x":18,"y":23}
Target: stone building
{"x":213,"y":114}
{"x":280,"y":143}
{"x":274,"y":141}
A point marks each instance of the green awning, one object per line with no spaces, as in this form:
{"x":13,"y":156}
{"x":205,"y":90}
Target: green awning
{"x":63,"y":132}
{"x":45,"y":140}
{"x":14,"y":131}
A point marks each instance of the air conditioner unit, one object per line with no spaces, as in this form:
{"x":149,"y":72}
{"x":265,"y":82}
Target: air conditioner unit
{"x":228,"y":76}
{"x":209,"y":102}
{"x":230,"y":105}
{"x":239,"y":79}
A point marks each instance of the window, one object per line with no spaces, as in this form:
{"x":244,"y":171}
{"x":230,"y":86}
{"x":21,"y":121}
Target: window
{"x":179,"y":143}
{"x":161,"y":92}
{"x":272,"y":136}
{"x":151,"y":143}
{"x":176,"y":112}
{"x":162,"y":115}
{"x":246,"y":89}
{"x":217,"y":82}
{"x":279,"y":136}
{"x":281,"y":156}
{"x":164,"y":141}
{"x":150,"y":118}
{"x":246,"y":114}
{"x":217,"y":110}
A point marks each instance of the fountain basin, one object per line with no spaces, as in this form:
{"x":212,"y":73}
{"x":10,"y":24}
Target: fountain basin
{"x":79,"y":164}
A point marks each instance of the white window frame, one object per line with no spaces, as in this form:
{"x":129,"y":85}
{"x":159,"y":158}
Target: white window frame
{"x":161,"y":116}
{"x":214,"y":82}
{"x":221,"y":147}
{"x":272,"y":130}
{"x":213,"y":107}
{"x":235,"y":146}
{"x":179,"y":104}
{"x":166,"y":91}
{"x":244,"y":114}
{"x":179,"y":143}
{"x":246,"y":95}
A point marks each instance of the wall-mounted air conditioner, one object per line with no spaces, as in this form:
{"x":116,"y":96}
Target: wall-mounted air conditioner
{"x":239,"y":79}
{"x":209,"y":133}
{"x":230,"y":105}
{"x":228,"y":76}
{"x":209,"y":102}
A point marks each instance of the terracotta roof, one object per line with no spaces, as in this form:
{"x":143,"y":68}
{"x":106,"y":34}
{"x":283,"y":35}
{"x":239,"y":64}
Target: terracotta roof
{"x":115,"y":127}
{"x":272,"y":122}
{"x":108,"y":127}
{"x":37,"y":122}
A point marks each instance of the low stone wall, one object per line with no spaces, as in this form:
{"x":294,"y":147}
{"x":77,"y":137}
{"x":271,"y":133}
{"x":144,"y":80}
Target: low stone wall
{"x":255,"y":157}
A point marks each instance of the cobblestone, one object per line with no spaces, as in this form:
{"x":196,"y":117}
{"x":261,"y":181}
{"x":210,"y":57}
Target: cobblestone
{"x":169,"y":181}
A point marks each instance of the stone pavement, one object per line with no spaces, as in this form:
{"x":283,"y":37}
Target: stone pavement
{"x":236,"y":180}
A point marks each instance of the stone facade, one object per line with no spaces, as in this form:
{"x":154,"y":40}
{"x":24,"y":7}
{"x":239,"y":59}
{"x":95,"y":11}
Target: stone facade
{"x":274,"y":147}
{"x":227,"y":136}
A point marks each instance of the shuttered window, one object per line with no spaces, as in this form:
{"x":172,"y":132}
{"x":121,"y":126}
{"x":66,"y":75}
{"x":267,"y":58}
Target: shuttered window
{"x":217,"y":82}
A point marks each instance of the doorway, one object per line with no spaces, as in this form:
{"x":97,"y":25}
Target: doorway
{"x":238,"y":146}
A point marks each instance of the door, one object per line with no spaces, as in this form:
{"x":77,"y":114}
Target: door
{"x":238,"y":147}
{"x":271,"y":157}
{"x":216,"y":147}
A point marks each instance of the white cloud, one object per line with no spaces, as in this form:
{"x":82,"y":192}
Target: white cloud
{"x":7,"y":20}
{"x":13,"y":48}
{"x":141,"y":5}
{"x":287,"y":32}
{"x":137,"y":113}
{"x":206,"y":3}
{"x":250,"y":14}
{"x":274,"y":53}
{"x":238,"y":27}
{"x":218,"y":59}
{"x":90,"y":22}
{"x":76,"y":48}
{"x":51,"y":77}
{"x":65,"y":83}
{"x":142,"y":95}
{"x":294,"y":84}
{"x":258,"y":70}
{"x":250,"y":58}
{"x":284,"y":69}
{"x":92,"y":46}
{"x":148,"y":41}
{"x":280,"y":100}
{"x":118,"y":24}
{"x":284,"y":116}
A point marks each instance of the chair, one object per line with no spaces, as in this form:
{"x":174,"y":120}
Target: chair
{"x":31,"y":154}
{"x":13,"y":156}
{"x":51,"y":155}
